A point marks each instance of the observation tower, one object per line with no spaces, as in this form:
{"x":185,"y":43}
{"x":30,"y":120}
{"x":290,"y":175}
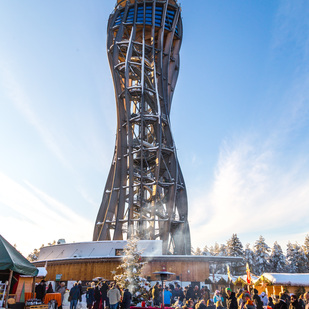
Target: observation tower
{"x":145,"y":193}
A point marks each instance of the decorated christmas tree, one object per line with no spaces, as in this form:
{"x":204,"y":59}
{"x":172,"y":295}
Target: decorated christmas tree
{"x":131,"y":269}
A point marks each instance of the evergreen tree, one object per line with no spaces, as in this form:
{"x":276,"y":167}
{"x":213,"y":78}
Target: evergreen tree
{"x":277,"y":261}
{"x":290,"y":258}
{"x":131,"y":269}
{"x":206,"y":251}
{"x":221,"y":267}
{"x":302,"y":259}
{"x":214,"y":250}
{"x":217,"y":250}
{"x":223,"y":250}
{"x":234,"y":247}
{"x":249,"y":257}
{"x":306,"y":248}
{"x":34,"y":255}
{"x":261,"y":256}
{"x":296,"y":259}
{"x":198,"y":251}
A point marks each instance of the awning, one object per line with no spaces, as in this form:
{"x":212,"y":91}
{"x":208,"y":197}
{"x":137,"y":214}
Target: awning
{"x":11,"y":259}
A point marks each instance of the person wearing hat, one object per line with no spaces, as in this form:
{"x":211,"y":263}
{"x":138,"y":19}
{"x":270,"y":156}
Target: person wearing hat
{"x":217,"y":297}
{"x":231,"y":301}
{"x":248,"y":302}
{"x":264,"y":298}
{"x":126,"y":299}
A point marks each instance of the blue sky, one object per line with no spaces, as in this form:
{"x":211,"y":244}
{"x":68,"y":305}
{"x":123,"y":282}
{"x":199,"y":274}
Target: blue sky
{"x":239,"y":119}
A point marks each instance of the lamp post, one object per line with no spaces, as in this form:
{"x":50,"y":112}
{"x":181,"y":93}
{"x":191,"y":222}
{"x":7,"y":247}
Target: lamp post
{"x":164,"y":275}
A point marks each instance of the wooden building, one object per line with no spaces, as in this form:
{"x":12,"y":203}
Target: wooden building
{"x":274,"y":283}
{"x":85,"y":261}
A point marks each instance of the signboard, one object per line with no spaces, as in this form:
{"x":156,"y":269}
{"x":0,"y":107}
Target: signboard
{"x":58,"y":277}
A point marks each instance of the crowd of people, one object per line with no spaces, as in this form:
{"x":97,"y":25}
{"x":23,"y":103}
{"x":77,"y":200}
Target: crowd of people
{"x":103,"y":295}
{"x":100,"y":296}
{"x":242,"y":299}
{"x":195,"y":298}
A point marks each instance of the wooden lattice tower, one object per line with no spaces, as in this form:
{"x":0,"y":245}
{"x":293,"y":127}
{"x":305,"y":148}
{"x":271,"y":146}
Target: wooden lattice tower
{"x":145,"y":193}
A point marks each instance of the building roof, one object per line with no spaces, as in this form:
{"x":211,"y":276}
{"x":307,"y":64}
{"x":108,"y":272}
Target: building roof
{"x":285,"y":279}
{"x":112,"y":250}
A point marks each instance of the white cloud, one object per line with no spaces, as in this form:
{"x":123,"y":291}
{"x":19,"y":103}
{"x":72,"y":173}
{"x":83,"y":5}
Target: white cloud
{"x":251,"y":193}
{"x":37,"y":218}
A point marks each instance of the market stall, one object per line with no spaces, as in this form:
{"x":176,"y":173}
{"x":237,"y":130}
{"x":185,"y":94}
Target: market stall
{"x":12,"y":265}
{"x":274,"y":283}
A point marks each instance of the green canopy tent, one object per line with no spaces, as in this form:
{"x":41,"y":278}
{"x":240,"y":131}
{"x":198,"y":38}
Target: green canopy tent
{"x":13,"y":261}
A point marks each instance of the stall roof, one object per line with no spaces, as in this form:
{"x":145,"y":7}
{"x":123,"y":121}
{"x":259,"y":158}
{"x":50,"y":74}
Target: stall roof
{"x":301,"y":279}
{"x":11,"y":259}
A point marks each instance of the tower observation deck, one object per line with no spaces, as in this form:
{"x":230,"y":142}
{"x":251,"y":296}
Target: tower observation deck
{"x":145,"y":193}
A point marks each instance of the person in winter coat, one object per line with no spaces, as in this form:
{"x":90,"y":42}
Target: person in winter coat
{"x":231,"y":301}
{"x":270,"y":302}
{"x":156,"y":294}
{"x":281,"y":304}
{"x":178,"y":293}
{"x":223,"y":294}
{"x":90,"y":295}
{"x":201,"y":304}
{"x":80,"y":291}
{"x":97,"y":297}
{"x":264,"y":298}
{"x":294,"y":304}
{"x":286,"y":297}
{"x":219,"y":304}
{"x":74,"y":296}
{"x":257,"y":300}
{"x":190,"y":293}
{"x":301,"y":301}
{"x":114,"y":297}
{"x":104,"y":289}
{"x":217,"y":297}
{"x":256,"y":296}
{"x":61,"y":289}
{"x":126,"y":299}
{"x":248,"y":302}
{"x":306,"y":300}
{"x":241,"y":301}
{"x":210,"y":304}
{"x":50,"y":288}
{"x":196,"y":293}
{"x":40,"y":290}
{"x":167,"y":297}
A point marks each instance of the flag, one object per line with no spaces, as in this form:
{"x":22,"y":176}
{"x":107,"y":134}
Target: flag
{"x":228,"y":273}
{"x":248,"y":274}
{"x":22,"y":295}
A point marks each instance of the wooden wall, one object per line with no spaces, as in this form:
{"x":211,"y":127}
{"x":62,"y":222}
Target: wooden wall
{"x":185,"y":269}
{"x":86,"y":270}
{"x":83,"y":270}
